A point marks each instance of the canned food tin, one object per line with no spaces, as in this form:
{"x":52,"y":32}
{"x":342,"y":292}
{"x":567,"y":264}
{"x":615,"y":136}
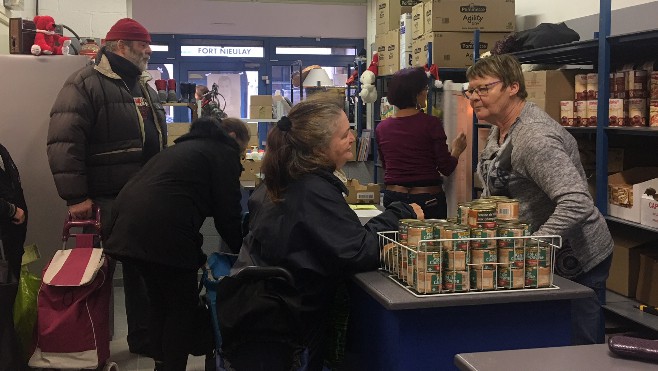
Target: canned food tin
{"x":429,"y":261}
{"x":482,"y":215}
{"x":417,"y":232}
{"x":507,"y":209}
{"x":455,"y":235}
{"x":403,"y":229}
{"x":498,"y":197}
{"x":437,"y":226}
{"x":483,"y":279}
{"x":428,"y":282}
{"x":536,"y":277}
{"x":389,"y":257}
{"x":411,"y":267}
{"x":455,"y":259}
{"x":456,"y":281}
{"x":511,"y":230}
{"x":484,"y":238}
{"x":510,"y":278}
{"x":538,"y":255}
{"x":511,"y":256}
{"x":484,"y":258}
{"x":462,"y":212}
{"x":404,"y":264}
{"x":453,"y":220}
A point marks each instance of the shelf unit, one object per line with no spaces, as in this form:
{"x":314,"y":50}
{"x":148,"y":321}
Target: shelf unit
{"x":602,"y":53}
{"x":192,"y":106}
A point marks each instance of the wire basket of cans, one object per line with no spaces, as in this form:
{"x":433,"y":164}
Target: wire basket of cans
{"x":440,"y":259}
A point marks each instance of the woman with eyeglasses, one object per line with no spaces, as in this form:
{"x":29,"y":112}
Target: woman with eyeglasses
{"x":412,"y":147}
{"x":532,"y":158}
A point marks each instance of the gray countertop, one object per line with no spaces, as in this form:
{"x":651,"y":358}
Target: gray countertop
{"x":394,"y":297}
{"x":595,"y":357}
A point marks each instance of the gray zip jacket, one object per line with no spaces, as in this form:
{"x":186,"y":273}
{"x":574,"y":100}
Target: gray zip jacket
{"x":96,"y":133}
{"x":539,"y":165}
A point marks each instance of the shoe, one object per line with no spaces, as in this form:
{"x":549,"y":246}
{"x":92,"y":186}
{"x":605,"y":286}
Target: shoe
{"x":171,"y":91}
{"x":161,"y":85}
{"x":159,"y":366}
{"x":191,"y":91}
{"x":184,"y":87}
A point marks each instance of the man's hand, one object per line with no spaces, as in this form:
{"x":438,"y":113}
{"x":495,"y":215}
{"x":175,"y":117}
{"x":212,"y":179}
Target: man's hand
{"x":420,"y":215}
{"x":81,"y":210}
{"x":19,"y":216}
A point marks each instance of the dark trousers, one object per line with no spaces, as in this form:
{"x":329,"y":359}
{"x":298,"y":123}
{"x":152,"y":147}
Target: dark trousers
{"x":587,"y":317}
{"x":173,"y":297}
{"x":434,"y":205}
{"x":134,"y":290}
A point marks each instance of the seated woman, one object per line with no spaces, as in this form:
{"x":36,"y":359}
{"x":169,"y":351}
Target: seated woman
{"x":156,"y":221}
{"x":300,"y":221}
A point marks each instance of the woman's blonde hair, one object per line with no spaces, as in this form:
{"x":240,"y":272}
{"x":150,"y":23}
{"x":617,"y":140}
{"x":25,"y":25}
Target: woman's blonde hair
{"x":504,"y":67}
{"x":297,"y":145}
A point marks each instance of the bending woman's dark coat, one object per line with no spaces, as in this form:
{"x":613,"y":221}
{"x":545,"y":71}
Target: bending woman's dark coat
{"x":158,"y":214}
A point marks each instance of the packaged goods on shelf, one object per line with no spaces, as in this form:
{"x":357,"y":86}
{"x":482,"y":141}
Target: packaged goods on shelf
{"x":452,"y":49}
{"x":649,"y":211}
{"x":389,"y":11}
{"x":580,"y":116}
{"x":625,"y":191}
{"x":418,"y":20}
{"x":617,"y":112}
{"x":629,"y":244}
{"x":567,"y":112}
{"x":548,"y":88}
{"x":592,"y":106}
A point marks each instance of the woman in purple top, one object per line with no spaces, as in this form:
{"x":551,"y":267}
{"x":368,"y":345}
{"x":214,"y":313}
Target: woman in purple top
{"x":412,"y":146}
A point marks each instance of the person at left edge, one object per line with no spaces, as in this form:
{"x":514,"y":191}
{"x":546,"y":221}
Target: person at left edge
{"x":157,"y":218}
{"x":104,"y":125}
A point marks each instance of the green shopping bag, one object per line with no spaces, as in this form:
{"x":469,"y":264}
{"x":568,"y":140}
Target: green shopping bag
{"x":25,"y":306}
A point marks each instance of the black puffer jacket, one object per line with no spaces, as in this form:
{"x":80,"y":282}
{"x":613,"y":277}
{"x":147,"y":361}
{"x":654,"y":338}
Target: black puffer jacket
{"x":158,"y":214}
{"x":96,"y":133}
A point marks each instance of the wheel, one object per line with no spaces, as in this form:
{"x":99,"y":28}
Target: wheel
{"x":110,"y":366}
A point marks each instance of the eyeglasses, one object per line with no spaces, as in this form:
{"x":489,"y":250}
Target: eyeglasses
{"x":482,"y":90}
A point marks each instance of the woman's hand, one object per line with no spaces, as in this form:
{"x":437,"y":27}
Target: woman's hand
{"x":19,"y":216}
{"x":458,"y":145}
{"x":420,"y":215}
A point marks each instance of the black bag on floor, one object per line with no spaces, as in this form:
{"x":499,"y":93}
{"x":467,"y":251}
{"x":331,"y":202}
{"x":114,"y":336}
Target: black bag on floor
{"x":10,"y":348}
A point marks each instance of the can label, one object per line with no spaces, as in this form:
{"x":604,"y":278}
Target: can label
{"x":511,"y":256}
{"x":429,"y":261}
{"x":456,"y":281}
{"x":483,"y":216}
{"x":462,"y":213}
{"x":418,"y":232}
{"x":483,"y":236}
{"x":428,"y":282}
{"x":507,"y":210}
{"x":538,"y":256}
{"x":511,"y":231}
{"x":411,"y":267}
{"x":403,"y":229}
{"x":455,"y":259}
{"x":510,"y":278}
{"x":456,"y":236}
{"x":536,"y":277}
{"x":484,"y":258}
{"x":483,"y":279}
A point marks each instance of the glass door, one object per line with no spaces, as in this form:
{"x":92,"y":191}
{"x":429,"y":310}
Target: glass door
{"x":235,"y":82}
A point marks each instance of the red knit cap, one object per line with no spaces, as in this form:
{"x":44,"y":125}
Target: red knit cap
{"x":128,"y":29}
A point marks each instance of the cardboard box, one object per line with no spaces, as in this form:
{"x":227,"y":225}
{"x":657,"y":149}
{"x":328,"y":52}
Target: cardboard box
{"x":380,"y":46}
{"x":453,"y":49}
{"x":392,"y":54}
{"x":260,"y":112}
{"x":176,"y":130}
{"x":418,"y":20}
{"x":260,"y":100}
{"x":389,"y":11}
{"x":469,"y":15}
{"x":362,"y":194}
{"x":251,"y":170}
{"x":649,"y":210}
{"x":647,"y":283}
{"x":547,"y":88}
{"x":625,"y":191}
{"x":629,"y":244}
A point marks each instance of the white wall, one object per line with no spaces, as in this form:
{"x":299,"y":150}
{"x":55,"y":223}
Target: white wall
{"x":555,"y":11}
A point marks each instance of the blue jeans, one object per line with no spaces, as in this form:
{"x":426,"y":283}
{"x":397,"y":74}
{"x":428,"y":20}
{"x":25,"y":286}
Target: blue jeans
{"x":587,"y":318}
{"x":434,"y":205}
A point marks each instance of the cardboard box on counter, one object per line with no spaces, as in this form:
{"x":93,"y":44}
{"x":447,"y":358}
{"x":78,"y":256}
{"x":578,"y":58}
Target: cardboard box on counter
{"x":625,"y":191}
{"x":251,"y":170}
{"x":260,"y":112}
{"x":469,"y":15}
{"x":261,"y":100}
{"x":629,"y":244}
{"x":362,"y":194}
{"x":176,"y":130}
{"x":647,"y":283}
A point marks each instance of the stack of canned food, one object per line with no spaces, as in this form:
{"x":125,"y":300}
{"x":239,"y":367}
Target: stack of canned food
{"x":485,"y":248}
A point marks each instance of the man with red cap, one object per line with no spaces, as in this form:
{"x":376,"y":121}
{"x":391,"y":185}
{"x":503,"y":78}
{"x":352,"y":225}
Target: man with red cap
{"x":104,"y":125}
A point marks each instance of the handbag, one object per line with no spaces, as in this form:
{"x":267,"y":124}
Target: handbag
{"x":10,"y":356}
{"x":203,"y":343}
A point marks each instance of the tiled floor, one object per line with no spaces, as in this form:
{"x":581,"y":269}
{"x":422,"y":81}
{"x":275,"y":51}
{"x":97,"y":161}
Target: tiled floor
{"x":119,"y":346}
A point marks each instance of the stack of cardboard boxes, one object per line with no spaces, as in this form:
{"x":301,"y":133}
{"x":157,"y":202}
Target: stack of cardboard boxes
{"x":260,"y":107}
{"x":401,"y":39}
